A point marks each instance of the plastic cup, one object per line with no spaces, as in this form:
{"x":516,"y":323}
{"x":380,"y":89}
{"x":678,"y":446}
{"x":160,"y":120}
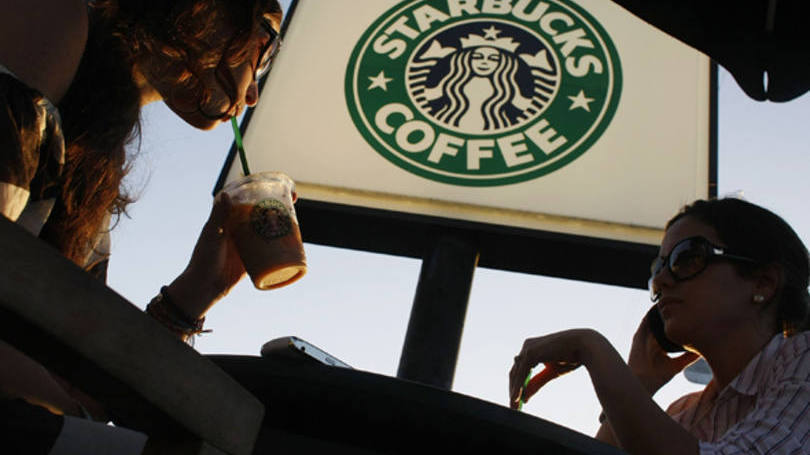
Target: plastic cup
{"x":263,"y":225}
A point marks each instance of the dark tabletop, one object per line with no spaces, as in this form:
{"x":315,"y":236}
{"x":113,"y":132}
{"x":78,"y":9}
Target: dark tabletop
{"x":313,"y":407}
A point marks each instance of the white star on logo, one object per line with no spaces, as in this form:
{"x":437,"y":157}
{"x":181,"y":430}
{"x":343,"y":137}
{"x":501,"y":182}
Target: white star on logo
{"x":580,"y":101}
{"x":379,"y":81}
{"x":491,"y":32}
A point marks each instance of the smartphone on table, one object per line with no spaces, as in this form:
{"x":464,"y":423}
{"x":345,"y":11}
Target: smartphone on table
{"x":294,"y":348}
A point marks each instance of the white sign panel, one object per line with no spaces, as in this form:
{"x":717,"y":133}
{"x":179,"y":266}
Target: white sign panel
{"x":561,"y":115}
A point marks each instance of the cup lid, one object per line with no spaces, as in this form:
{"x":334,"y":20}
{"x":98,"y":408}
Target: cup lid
{"x":267,"y":176}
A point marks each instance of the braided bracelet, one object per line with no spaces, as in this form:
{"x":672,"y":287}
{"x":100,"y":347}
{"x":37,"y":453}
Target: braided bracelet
{"x":170,"y":315}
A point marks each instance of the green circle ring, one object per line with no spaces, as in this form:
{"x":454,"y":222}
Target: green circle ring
{"x":594,"y":130}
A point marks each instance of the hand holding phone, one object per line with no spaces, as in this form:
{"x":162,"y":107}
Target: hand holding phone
{"x":699,"y":371}
{"x":656,"y":325}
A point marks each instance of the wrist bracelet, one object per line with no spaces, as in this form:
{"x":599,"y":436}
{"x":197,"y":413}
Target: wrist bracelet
{"x":170,"y":315}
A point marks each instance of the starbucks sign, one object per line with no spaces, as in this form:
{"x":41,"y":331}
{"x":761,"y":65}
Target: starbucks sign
{"x":505,"y":112}
{"x":483,"y":93}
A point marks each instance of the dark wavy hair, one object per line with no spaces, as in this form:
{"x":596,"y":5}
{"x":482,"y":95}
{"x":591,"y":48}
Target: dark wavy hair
{"x":755,"y":232}
{"x":101,"y":111}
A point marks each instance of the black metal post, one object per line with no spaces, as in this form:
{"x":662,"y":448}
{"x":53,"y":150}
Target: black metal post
{"x":432,"y":342}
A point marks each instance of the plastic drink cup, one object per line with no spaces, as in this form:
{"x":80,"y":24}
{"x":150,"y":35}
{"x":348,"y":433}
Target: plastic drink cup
{"x":263,"y":225}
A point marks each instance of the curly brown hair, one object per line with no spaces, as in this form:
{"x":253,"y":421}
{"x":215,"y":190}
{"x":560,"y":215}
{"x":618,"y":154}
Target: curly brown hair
{"x":101,"y":111}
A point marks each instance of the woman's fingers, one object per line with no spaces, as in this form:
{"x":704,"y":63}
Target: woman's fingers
{"x":214,"y":263}
{"x":682,"y":361}
{"x":551,"y":371}
{"x":538,"y":381}
{"x":217,"y":221}
{"x":517,"y":376}
{"x":523,"y":364}
{"x":560,"y":353}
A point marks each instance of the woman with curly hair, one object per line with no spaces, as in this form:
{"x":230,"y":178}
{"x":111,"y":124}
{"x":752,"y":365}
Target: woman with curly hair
{"x":63,"y":156}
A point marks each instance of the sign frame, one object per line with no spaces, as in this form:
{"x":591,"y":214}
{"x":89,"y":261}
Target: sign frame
{"x":508,"y":248}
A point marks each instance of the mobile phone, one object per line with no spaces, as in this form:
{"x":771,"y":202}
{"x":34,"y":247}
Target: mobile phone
{"x":656,"y":325}
{"x":294,"y":348}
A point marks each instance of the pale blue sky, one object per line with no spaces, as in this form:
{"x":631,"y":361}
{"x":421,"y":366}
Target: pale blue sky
{"x":356,"y":305}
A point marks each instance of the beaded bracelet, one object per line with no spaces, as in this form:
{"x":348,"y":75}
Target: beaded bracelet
{"x":170,"y":315}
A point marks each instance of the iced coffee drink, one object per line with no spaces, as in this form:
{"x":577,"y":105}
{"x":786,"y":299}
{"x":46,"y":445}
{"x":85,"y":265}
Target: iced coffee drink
{"x":265,"y":230}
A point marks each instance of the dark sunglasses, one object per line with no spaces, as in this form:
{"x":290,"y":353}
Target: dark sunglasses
{"x":688,"y":258}
{"x":268,"y":51}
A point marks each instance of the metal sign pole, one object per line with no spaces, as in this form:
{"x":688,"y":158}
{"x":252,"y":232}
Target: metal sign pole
{"x":433,"y":338}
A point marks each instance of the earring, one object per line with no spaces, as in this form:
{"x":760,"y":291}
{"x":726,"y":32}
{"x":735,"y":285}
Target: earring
{"x":759,"y":298}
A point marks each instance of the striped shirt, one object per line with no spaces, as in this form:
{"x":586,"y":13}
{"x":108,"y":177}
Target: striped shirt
{"x":764,"y":410}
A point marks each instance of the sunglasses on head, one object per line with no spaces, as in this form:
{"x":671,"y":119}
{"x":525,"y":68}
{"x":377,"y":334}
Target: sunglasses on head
{"x":268,"y":51}
{"x":688,"y":258}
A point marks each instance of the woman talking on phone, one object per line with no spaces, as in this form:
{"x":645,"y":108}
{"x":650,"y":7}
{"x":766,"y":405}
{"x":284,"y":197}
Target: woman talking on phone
{"x":730,"y":283}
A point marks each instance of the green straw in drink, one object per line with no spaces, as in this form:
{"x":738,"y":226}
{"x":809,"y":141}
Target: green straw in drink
{"x":240,"y":147}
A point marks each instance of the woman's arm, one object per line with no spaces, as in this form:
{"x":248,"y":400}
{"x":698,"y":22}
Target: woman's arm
{"x":636,"y":421}
{"x":42,"y":42}
{"x":22,"y":377}
{"x":214,"y":268}
{"x":639,"y":425}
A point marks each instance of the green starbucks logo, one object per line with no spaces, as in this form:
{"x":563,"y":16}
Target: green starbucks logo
{"x":270,"y":219}
{"x":483,"y":93}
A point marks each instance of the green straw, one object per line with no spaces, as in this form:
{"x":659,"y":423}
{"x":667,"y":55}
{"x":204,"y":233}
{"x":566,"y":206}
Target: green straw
{"x":240,"y":147}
